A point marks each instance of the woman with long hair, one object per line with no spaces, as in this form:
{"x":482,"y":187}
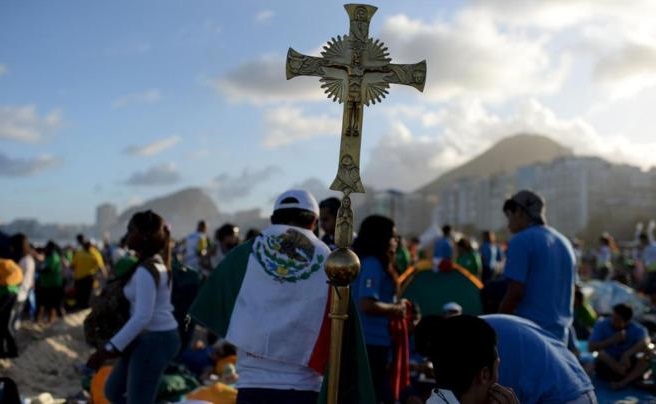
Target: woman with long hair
{"x":374,"y":292}
{"x":150,"y":339}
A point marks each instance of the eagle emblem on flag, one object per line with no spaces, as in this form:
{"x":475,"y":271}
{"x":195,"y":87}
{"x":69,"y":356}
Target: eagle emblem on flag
{"x":287,"y":257}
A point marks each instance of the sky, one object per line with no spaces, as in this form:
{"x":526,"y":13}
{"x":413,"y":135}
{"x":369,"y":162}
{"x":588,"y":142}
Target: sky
{"x":123,"y":101}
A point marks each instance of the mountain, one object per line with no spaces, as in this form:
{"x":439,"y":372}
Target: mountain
{"x":182,"y":210}
{"x":504,"y":157}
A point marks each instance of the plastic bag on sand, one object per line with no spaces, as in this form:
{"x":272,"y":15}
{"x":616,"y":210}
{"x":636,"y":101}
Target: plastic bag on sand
{"x":604,"y":295}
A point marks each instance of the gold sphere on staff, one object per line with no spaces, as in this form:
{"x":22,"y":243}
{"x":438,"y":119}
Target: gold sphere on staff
{"x":342,"y":267}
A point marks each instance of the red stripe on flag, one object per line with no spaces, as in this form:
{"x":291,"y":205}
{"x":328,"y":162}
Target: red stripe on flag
{"x":319,"y":357}
{"x":400,"y":375}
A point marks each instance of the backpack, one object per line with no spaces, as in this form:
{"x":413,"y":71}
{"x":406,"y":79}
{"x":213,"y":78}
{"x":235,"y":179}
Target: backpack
{"x":111,"y":309}
{"x":186,"y":284}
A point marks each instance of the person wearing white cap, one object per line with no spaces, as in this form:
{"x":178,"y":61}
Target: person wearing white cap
{"x":268,"y":297}
{"x":451,"y":309}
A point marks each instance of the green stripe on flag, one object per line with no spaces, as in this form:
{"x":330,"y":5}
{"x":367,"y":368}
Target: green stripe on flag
{"x":216,"y":300}
{"x":355,"y":384}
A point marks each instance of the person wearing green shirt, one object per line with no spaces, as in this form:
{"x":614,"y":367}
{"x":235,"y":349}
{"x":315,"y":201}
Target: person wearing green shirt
{"x":402,"y":258}
{"x":585,"y":316}
{"x":50,"y":284}
{"x":125,"y":265}
{"x":468,"y":258}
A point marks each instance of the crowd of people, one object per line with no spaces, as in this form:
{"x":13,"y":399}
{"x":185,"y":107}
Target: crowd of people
{"x":247,"y":317}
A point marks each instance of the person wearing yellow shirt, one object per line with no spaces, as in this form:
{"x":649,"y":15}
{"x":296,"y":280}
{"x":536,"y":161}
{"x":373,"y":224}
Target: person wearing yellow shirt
{"x":11,"y":277}
{"x":87,"y":262}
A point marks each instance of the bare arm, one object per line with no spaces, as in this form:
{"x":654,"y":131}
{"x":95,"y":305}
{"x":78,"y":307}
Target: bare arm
{"x":637,"y":347}
{"x":603,"y":344}
{"x":374,"y":307}
{"x":512,"y":298}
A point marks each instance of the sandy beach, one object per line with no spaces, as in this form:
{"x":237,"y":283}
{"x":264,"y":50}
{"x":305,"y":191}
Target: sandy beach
{"x":50,"y":357}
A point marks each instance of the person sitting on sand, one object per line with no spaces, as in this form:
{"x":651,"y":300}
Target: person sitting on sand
{"x":621,"y":344}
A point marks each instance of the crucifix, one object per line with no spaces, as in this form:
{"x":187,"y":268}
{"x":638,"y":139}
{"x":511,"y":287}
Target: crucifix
{"x":355,"y":70}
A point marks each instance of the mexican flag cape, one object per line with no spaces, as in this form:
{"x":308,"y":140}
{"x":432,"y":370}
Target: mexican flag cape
{"x":270,"y":298}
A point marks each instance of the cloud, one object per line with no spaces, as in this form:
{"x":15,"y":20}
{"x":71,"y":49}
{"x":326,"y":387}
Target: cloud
{"x":264,"y":16}
{"x":561,"y":14}
{"x":164,"y":174}
{"x":22,"y":123}
{"x":468,"y":56}
{"x":405,"y":160}
{"x":317,"y":188}
{"x":617,"y":35}
{"x":153,"y":148}
{"x":146,"y":97}
{"x":287,"y":125}
{"x":132,"y":201}
{"x":3,"y":69}
{"x":472,"y":56}
{"x":18,"y":167}
{"x":229,"y":188}
{"x":628,"y":70}
{"x":495,"y":50}
{"x":263,"y":81}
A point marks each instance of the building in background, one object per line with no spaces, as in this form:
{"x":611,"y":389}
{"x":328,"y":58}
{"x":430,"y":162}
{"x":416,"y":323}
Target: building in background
{"x":583,"y":194}
{"x":106,"y":217}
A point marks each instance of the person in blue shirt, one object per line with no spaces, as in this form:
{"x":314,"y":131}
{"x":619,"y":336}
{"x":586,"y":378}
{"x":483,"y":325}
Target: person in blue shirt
{"x":443,"y":250}
{"x":540,"y":267}
{"x":620,"y":343}
{"x":465,"y":359}
{"x":531,"y":364}
{"x":491,"y":255}
{"x":374,"y":292}
{"x":539,"y":368}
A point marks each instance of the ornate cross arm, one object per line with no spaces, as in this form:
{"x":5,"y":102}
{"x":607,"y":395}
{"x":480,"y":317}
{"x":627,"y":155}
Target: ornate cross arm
{"x":299,"y":64}
{"x":411,"y":75}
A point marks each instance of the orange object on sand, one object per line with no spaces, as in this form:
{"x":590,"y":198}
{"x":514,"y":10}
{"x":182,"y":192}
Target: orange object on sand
{"x":218,"y":369}
{"x":10,"y":273}
{"x":98,"y":385}
{"x":218,"y":393}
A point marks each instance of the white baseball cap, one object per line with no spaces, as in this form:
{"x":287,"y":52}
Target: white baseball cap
{"x":297,"y":199}
{"x":452,"y":307}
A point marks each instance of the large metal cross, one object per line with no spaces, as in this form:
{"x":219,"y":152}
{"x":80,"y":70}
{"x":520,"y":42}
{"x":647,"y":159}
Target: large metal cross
{"x":355,"y":70}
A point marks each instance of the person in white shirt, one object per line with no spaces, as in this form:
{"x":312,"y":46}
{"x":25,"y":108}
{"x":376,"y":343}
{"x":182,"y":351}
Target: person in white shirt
{"x":196,"y":248}
{"x":23,"y":255}
{"x":150,"y":339}
{"x":119,"y":251}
